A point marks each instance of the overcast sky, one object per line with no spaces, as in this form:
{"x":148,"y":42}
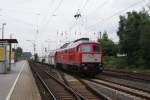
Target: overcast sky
{"x":55,"y":22}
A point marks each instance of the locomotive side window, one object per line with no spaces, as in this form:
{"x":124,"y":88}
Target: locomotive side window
{"x":86,"y":48}
{"x":65,"y":51}
{"x":77,"y":49}
{"x":96,"y":48}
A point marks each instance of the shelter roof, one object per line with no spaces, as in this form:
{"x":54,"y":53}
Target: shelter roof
{"x":8,"y":41}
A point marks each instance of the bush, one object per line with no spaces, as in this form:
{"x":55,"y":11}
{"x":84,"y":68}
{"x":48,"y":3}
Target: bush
{"x":115,"y":62}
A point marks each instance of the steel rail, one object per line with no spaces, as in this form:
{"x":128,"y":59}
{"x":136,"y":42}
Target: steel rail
{"x":137,"y":94}
{"x":139,"y":89}
{"x":79,"y":97}
{"x":103,"y":96}
{"x":50,"y":92}
{"x":60,"y":83}
{"x":131,"y":74}
{"x":66,"y":82}
{"x":53,"y":97}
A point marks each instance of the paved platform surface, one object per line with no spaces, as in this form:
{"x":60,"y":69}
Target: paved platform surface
{"x":7,"y":80}
{"x":25,"y":88}
{"x":19,"y":84}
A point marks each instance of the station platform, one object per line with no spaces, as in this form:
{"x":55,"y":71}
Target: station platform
{"x":19,"y":84}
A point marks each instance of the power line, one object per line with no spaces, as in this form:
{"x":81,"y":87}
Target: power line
{"x":53,"y":13}
{"x":99,"y":7}
{"x":79,"y":14}
{"x":17,"y":20}
{"x":57,"y":7}
{"x":52,"y":2}
{"x":17,"y":11}
{"x":117,"y":13}
{"x":85,"y":4}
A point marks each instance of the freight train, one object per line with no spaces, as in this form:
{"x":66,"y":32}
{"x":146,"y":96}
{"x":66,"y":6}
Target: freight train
{"x":81,"y":55}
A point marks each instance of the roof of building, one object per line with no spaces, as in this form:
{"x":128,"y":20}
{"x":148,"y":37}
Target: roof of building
{"x":8,"y":41}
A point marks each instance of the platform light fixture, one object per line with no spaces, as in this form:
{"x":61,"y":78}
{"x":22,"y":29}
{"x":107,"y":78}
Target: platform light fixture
{"x":3,"y":24}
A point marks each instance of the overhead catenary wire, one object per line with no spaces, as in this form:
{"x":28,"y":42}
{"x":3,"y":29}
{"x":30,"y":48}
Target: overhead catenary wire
{"x":84,"y":6}
{"x":52,"y":14}
{"x":57,"y":7}
{"x":18,"y":20}
{"x":17,"y":11}
{"x":99,"y":7}
{"x":79,"y":14}
{"x":51,"y":4}
{"x":84,"y":18}
{"x":115,"y":14}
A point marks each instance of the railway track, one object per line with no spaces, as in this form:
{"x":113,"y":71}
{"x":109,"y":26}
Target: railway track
{"x":60,"y":88}
{"x":82,"y":88}
{"x":137,"y":93}
{"x":54,"y":89}
{"x":128,"y":75}
{"x":45,"y":92}
{"x":125,"y":84}
{"x":64,"y":86}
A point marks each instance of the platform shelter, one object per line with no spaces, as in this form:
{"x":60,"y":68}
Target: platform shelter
{"x":5,"y":54}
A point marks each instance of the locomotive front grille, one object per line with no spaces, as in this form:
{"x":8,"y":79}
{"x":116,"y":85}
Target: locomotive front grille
{"x":91,"y":58}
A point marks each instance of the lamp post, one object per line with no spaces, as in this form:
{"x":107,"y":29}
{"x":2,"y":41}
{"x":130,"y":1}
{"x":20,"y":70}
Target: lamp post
{"x":3,"y":24}
{"x":34,"y":46}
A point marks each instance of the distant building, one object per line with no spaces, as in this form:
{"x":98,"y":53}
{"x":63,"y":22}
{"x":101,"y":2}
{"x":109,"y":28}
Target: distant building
{"x":27,"y":55}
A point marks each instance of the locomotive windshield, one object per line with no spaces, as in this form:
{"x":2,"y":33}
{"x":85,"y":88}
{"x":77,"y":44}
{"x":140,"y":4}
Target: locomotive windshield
{"x":96,"y":48}
{"x":86,"y":48}
{"x":89,"y":48}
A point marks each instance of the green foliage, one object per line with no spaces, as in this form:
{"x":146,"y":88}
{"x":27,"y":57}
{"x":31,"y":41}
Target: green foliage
{"x":115,"y":62}
{"x":36,"y":57}
{"x":134,"y":35}
{"x":43,"y":60}
{"x":120,"y":63}
{"x":18,"y":52}
{"x":108,"y":46}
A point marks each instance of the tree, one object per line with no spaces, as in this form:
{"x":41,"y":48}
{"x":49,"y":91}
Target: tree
{"x":36,"y":57}
{"x":18,"y":52}
{"x":134,"y":35}
{"x":105,"y":36}
{"x":108,"y":46}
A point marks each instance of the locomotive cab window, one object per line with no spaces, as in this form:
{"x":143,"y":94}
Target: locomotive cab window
{"x":86,"y":48}
{"x":78,"y":49}
{"x":96,"y":48}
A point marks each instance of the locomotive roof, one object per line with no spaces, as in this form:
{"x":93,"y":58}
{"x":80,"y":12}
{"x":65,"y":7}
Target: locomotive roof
{"x":75,"y":43}
{"x":71,"y":45}
{"x":81,"y":39}
{"x":65,"y":45}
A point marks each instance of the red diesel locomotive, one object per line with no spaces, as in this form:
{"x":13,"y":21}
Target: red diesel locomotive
{"x":80,"y":55}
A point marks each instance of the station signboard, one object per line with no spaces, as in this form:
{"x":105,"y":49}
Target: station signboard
{"x":2,"y":53}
